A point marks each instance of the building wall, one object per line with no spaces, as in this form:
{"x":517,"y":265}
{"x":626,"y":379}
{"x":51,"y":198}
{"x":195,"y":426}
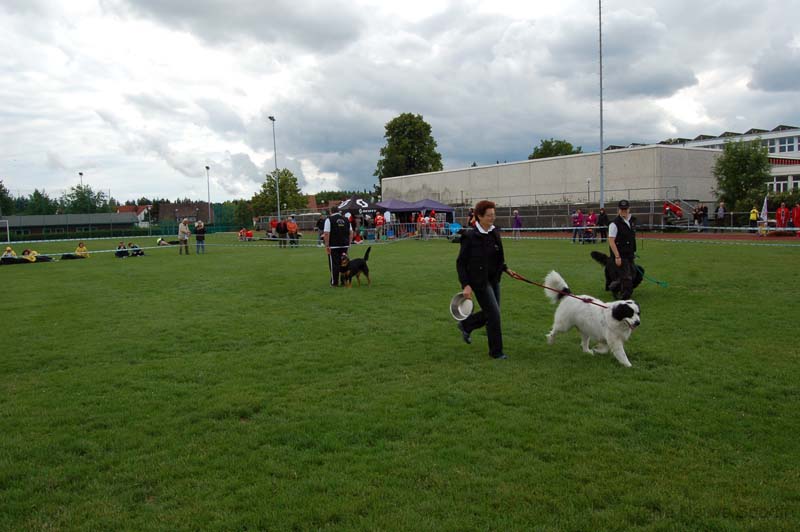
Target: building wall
{"x":643,"y":173}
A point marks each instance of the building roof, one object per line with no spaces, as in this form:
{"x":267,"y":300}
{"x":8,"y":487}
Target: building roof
{"x":55,"y":220}
{"x":135,"y":209}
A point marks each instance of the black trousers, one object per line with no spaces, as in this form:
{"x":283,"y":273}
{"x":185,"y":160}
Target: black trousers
{"x":489,"y":299}
{"x":625,"y":273}
{"x":335,"y":264}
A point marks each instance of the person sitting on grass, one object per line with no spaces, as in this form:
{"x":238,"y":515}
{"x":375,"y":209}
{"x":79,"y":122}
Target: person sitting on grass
{"x":122,"y":251}
{"x":32,"y":255}
{"x":135,"y":250}
{"x":9,"y":253}
{"x":81,"y":252}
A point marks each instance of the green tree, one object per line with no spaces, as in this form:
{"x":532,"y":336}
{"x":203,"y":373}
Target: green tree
{"x":742,"y":172}
{"x":410,"y":148}
{"x":41,"y":203}
{"x":224,"y":213}
{"x":553,"y":148}
{"x":266,"y":202}
{"x":243,"y":213}
{"x":81,"y":199}
{"x":154,"y":212}
{"x":6,"y":201}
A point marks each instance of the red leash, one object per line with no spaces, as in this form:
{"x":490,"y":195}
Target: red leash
{"x":590,"y":300}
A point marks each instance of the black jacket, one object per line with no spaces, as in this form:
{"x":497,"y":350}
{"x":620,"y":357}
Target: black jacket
{"x":626,"y":238}
{"x":481,"y":259}
{"x":339,"y":231}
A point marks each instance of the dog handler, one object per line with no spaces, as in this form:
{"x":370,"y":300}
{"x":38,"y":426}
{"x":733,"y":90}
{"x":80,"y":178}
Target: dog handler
{"x":337,"y":233}
{"x":480,"y":265}
{"x":622,"y":243}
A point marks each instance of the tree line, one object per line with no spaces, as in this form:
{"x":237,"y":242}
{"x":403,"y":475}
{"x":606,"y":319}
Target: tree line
{"x":410,"y":148}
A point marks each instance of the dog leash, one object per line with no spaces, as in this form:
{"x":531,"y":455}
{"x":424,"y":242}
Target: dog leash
{"x":662,"y":284}
{"x":589,"y":300}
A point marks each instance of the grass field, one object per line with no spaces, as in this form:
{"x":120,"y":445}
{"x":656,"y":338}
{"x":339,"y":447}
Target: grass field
{"x":237,"y":391}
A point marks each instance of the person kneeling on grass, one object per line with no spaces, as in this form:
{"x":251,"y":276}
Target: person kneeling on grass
{"x":81,"y":252}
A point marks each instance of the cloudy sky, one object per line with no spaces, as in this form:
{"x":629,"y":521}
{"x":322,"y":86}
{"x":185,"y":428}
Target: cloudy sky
{"x":140,"y":95}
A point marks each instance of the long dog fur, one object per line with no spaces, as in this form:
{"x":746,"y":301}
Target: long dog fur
{"x":610,"y":327}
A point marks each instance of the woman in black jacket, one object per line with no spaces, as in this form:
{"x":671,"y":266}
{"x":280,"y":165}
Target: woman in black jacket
{"x":480,"y":265}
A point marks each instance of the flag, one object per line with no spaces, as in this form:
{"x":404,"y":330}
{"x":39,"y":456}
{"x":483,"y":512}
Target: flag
{"x":764,"y":213}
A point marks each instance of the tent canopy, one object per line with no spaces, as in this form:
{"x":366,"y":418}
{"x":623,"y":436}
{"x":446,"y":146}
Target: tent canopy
{"x":357,"y":206}
{"x":395,"y":205}
{"x":431,"y":205}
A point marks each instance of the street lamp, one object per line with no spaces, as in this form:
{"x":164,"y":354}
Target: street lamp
{"x":208,"y":183}
{"x":588,"y":194}
{"x":600,"y":53}
{"x":81,"y":176}
{"x":277,"y":176}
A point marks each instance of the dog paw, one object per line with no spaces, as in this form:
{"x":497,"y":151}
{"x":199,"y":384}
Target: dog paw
{"x":550,"y":339}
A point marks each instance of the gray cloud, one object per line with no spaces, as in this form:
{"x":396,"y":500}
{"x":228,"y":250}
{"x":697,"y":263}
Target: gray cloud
{"x":777,"y":68}
{"x":221,"y":117}
{"x":82,"y":87}
{"x":323,"y":27}
{"x":155,"y":106}
{"x":54,"y":161}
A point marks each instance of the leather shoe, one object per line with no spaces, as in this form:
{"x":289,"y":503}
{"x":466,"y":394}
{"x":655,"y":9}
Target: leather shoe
{"x":464,"y":334}
{"x":501,"y":356}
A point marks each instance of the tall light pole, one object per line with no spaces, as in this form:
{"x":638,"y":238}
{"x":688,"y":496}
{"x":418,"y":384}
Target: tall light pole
{"x":602,"y":162}
{"x":80,"y":174}
{"x":208,"y":184}
{"x":277,"y":176}
{"x":588,"y":193}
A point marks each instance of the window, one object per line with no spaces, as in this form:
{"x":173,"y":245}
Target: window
{"x":771,"y":145}
{"x":22,"y":231}
{"x":786,"y":144}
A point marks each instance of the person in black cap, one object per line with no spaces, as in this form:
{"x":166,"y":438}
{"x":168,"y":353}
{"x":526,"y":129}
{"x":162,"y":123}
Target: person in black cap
{"x":622,"y":244}
{"x":337,"y":234}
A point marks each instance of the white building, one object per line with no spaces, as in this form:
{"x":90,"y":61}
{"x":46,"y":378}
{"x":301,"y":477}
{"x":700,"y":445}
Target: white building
{"x":673,"y":169}
{"x":654,"y":172}
{"x":781,"y":140}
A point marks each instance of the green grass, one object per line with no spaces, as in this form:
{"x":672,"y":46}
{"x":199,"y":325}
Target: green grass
{"x":237,"y":391}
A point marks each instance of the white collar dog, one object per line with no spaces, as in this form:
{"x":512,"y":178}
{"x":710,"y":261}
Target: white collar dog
{"x":610,"y":325}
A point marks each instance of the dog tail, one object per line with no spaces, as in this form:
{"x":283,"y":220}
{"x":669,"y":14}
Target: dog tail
{"x":366,"y":255}
{"x":601,"y":258}
{"x":554,"y":281}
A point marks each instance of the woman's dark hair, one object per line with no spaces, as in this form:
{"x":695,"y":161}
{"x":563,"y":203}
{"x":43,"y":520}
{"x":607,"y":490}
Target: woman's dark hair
{"x":482,"y":206}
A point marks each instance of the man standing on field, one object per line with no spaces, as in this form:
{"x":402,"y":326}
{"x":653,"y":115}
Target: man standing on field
{"x":337,"y":235}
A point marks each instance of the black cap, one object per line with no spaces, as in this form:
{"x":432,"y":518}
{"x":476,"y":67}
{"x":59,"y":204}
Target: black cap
{"x":623,"y":204}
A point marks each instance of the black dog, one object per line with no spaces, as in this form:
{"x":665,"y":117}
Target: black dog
{"x":356,"y":267}
{"x":611,"y":272}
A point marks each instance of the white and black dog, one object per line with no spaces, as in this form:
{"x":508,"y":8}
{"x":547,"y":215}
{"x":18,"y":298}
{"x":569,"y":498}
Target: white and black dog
{"x":609,"y":324}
